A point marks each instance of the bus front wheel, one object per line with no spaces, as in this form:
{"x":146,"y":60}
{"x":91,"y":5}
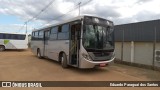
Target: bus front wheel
{"x":39,"y":54}
{"x":2,"y":48}
{"x":64,"y":60}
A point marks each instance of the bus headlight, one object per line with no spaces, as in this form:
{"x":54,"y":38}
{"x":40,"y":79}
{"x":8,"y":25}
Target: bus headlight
{"x":86,"y":56}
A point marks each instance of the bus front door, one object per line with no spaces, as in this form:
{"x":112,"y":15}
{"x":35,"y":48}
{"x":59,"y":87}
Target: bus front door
{"x":75,"y":44}
{"x":46,"y":37}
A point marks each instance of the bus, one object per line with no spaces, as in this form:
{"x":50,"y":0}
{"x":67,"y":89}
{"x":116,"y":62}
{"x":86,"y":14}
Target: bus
{"x":82,"y":42}
{"x":13,"y":41}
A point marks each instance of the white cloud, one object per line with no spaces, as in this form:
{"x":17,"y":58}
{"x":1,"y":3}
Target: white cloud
{"x":120,"y":11}
{"x":15,"y":28}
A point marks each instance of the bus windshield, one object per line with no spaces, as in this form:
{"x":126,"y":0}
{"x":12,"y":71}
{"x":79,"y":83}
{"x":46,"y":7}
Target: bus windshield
{"x":96,"y":37}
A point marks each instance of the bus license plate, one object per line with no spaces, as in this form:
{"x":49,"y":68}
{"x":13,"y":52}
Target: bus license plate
{"x":102,"y":65}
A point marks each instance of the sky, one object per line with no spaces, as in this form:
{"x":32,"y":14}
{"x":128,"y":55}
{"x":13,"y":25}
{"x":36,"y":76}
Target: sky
{"x":14,"y":13}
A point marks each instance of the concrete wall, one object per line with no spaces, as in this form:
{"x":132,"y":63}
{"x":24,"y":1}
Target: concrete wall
{"x":118,"y":46}
{"x":157,"y":48}
{"x":127,"y":51}
{"x":137,"y":52}
{"x":143,"y":53}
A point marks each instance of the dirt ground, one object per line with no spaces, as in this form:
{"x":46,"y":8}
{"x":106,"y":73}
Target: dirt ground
{"x":25,"y":66}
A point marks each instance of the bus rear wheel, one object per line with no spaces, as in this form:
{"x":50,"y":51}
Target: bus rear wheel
{"x":39,"y":54}
{"x":63,"y":59}
{"x":2,"y":48}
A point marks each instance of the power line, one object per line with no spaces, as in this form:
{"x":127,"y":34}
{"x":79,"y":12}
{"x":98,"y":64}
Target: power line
{"x":78,"y":5}
{"x":21,"y":27}
{"x":41,"y":11}
{"x":25,"y":23}
{"x":60,"y":16}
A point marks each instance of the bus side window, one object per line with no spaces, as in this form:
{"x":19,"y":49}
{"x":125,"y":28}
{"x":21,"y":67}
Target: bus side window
{"x":41,"y":33}
{"x":64,"y":34}
{"x":36,"y":34}
{"x":32,"y":36}
{"x":13,"y":36}
{"x":21,"y":37}
{"x":53,"y":35}
{"x":65,"y":28}
{"x":32,"y":33}
{"x":7,"y":36}
{"x":35,"y":37}
{"x":1,"y":36}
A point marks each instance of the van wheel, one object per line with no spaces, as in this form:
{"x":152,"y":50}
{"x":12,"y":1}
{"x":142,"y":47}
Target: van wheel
{"x":63,"y":59}
{"x":39,"y":54}
{"x":2,"y":48}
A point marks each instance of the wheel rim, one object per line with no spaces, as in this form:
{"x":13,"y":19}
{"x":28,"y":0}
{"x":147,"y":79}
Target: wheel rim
{"x":62,"y":60}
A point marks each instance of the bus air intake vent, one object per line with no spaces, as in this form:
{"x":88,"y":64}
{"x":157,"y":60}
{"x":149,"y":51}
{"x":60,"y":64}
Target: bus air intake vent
{"x":101,"y":54}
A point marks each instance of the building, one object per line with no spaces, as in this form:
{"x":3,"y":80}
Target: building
{"x":138,"y":43}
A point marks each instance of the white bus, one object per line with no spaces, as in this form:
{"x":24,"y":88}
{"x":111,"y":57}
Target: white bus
{"x":13,"y":41}
{"x":83,"y":42}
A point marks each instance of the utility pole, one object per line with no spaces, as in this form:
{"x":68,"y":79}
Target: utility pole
{"x":26,"y":27}
{"x":79,"y":7}
{"x":154,"y":47}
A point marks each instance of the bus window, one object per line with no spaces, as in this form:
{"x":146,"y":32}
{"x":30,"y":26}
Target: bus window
{"x":6,"y":36}
{"x":33,"y":37}
{"x":21,"y":37}
{"x":1,"y":36}
{"x":17,"y":37}
{"x":64,"y":34}
{"x":36,"y":34}
{"x":14,"y":36}
{"x":32,"y":33}
{"x":54,"y":30}
{"x":65,"y":28}
{"x":40,"y":35}
{"x":53,"y":35}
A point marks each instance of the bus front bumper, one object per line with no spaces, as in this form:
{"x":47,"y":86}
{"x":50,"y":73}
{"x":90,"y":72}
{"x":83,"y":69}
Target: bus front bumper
{"x":91,"y":64}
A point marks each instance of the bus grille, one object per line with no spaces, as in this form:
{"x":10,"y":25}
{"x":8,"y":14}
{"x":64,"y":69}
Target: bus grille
{"x":101,"y":54}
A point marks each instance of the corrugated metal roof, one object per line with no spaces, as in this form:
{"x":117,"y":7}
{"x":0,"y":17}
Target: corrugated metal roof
{"x":141,"y":31}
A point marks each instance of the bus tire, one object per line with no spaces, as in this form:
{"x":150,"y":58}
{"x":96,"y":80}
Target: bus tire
{"x":64,"y":60}
{"x":39,"y":54}
{"x":2,"y":48}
